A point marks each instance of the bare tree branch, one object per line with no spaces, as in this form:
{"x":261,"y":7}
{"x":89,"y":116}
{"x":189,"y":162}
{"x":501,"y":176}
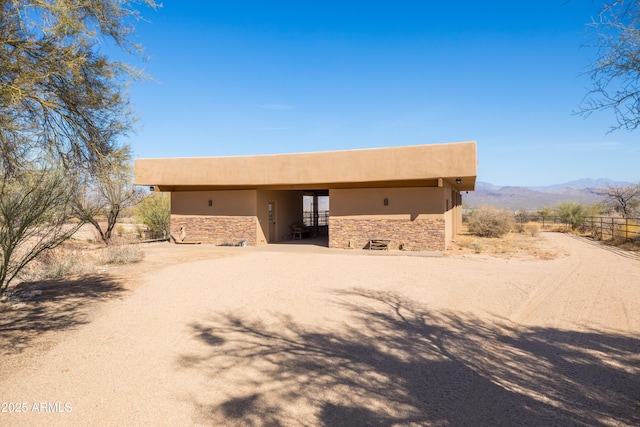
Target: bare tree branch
{"x":623,"y":200}
{"x":615,"y":74}
{"x":106,"y":192}
{"x":35,"y":216}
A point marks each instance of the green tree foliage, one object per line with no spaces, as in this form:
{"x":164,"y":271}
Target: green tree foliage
{"x":615,"y":74}
{"x":58,"y":92}
{"x":575,"y":213}
{"x":545,"y":212}
{"x":34,"y":216}
{"x":63,"y":100}
{"x":154,"y":211}
{"x":489,"y":221}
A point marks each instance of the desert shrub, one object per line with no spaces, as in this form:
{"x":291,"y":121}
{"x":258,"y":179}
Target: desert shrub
{"x":521,"y":217}
{"x":545,"y":212}
{"x":58,"y":263}
{"x":69,"y":260}
{"x":476,"y":247}
{"x":575,"y":213}
{"x":532,"y":228}
{"x":154,"y":211}
{"x":488,"y":221}
{"x":121,"y":253}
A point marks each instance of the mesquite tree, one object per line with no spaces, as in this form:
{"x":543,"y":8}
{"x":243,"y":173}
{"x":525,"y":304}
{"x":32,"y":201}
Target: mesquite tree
{"x":61,"y":99}
{"x":623,"y":200}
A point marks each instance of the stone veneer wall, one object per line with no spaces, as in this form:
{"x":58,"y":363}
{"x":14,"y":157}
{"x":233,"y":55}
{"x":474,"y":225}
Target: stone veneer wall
{"x":416,"y":235}
{"x":217,"y":230}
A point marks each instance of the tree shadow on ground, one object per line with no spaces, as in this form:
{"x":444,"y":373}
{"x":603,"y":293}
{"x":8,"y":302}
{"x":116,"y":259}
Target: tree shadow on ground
{"x":50,"y":305}
{"x":399,"y":363}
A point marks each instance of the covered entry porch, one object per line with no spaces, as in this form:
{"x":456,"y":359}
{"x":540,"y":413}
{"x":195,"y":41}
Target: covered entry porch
{"x":409,"y":196}
{"x":285,"y":215}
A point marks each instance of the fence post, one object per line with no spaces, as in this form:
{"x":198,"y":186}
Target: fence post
{"x":626,"y":230}
{"x":601,"y":226}
{"x":613,"y":229}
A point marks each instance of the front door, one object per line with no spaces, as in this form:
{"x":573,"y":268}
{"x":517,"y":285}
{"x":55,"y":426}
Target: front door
{"x":272,"y":222}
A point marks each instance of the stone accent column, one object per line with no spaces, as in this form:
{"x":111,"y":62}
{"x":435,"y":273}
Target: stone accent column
{"x":217,"y":230}
{"x":414,"y":235}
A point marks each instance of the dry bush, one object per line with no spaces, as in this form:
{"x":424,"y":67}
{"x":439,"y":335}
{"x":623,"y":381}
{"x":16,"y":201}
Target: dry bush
{"x":75,"y":259}
{"x":488,"y":221}
{"x":511,"y":245}
{"x":63,"y":261}
{"x":119,"y":252}
{"x":532,"y":229}
{"x":469,"y":243}
{"x":631,"y":246}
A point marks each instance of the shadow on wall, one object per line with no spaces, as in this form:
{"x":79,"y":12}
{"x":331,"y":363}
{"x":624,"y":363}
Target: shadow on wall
{"x":399,"y":363}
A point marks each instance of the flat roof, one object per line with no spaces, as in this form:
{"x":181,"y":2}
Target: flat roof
{"x":415,"y":165}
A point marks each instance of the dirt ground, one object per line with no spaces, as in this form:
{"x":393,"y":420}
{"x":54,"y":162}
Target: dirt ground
{"x":303,"y":335}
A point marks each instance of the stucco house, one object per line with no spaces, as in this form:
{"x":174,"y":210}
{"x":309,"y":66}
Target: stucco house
{"x":410,"y":196}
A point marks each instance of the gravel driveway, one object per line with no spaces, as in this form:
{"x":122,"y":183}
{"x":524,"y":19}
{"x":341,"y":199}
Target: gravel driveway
{"x":284,"y":336}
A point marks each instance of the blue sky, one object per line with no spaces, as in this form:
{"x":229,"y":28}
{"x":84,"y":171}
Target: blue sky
{"x":243,"y":78}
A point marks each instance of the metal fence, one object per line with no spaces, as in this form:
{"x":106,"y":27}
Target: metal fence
{"x":547,"y":222}
{"x":599,"y":227}
{"x":323,"y":218}
{"x":613,"y":228}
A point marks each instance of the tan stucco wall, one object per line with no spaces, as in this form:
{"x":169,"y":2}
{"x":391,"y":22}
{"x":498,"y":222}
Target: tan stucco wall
{"x":384,"y":166}
{"x":232,"y":203}
{"x":405,"y":203}
{"x":448,"y":215}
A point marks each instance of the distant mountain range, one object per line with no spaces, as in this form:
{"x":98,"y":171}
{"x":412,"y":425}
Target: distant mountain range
{"x":530,"y":198}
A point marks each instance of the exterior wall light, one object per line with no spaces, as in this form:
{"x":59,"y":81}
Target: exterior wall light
{"x":458,"y":181}
{"x":386,"y":202}
{"x":210,"y":202}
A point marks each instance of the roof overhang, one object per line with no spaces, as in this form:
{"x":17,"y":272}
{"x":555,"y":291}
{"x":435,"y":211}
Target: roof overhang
{"x":407,"y":166}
